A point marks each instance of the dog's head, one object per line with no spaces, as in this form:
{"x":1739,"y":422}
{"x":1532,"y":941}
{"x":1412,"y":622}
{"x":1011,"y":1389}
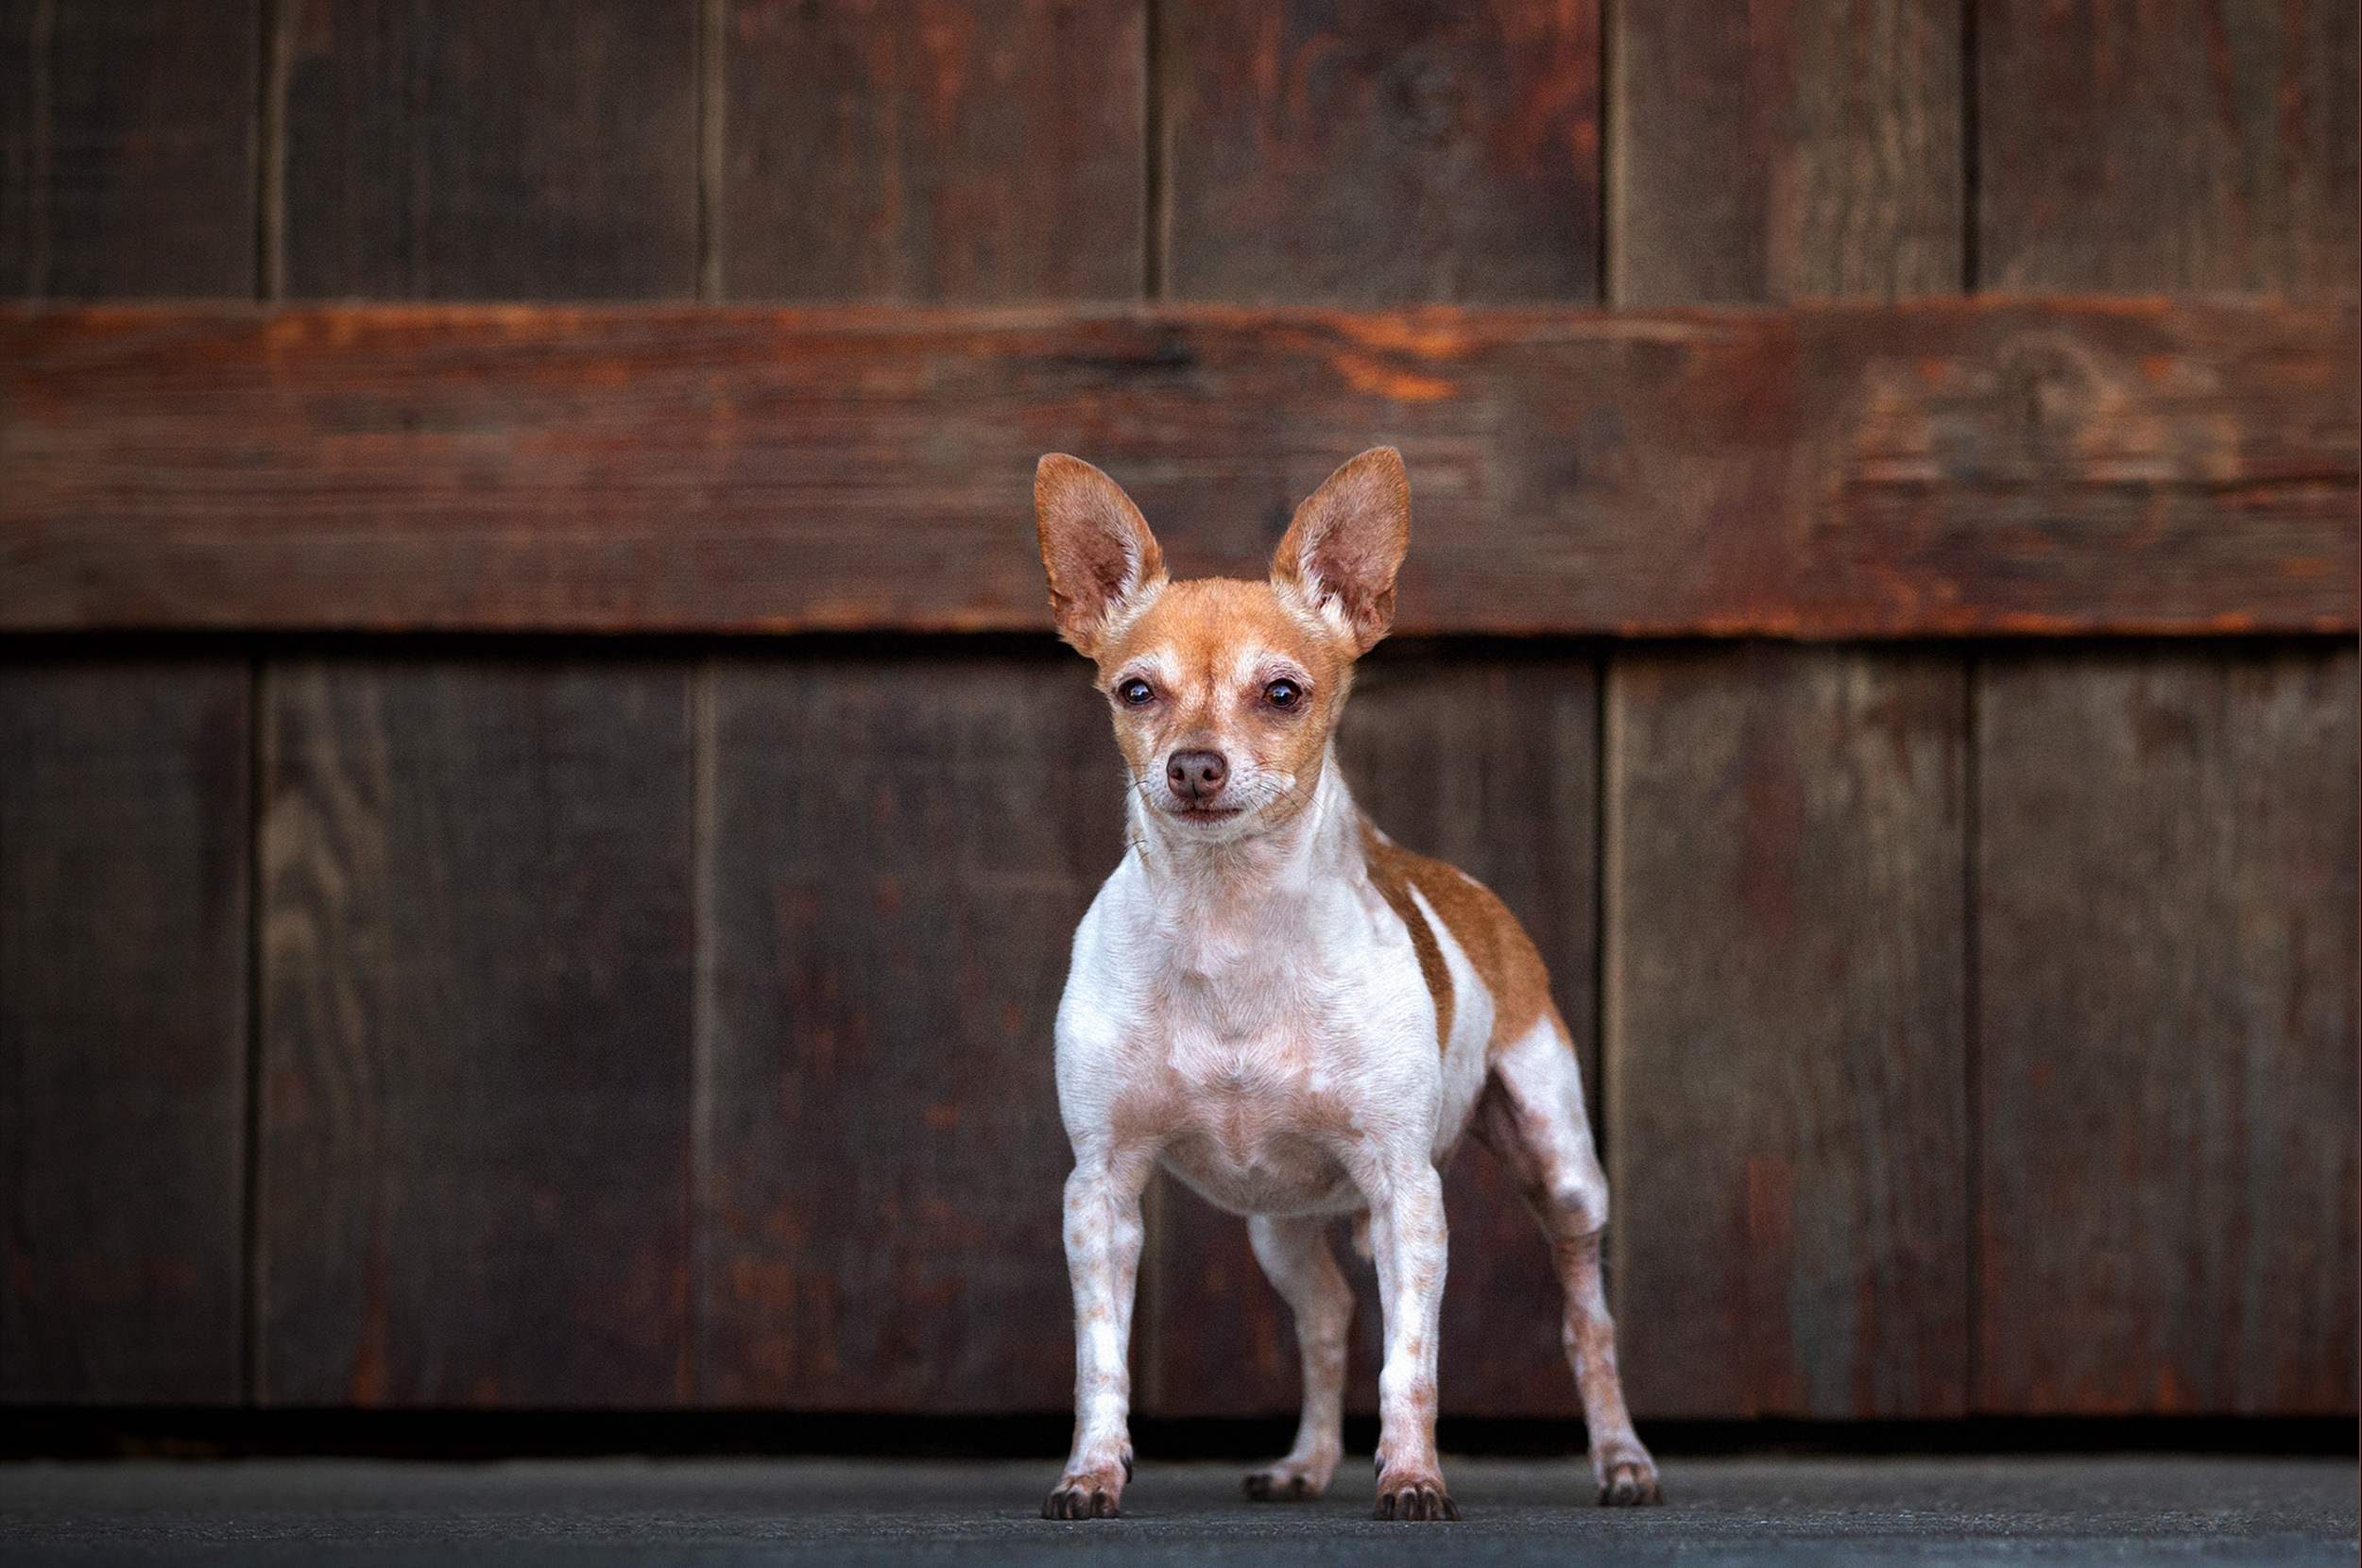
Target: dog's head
{"x":1225,"y":692}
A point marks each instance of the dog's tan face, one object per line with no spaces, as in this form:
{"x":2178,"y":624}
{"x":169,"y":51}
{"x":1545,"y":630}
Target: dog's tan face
{"x":1223,"y":701}
{"x":1225,"y":692}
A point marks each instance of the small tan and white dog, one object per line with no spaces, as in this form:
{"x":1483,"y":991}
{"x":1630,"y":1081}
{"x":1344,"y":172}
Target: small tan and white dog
{"x":1291,"y":1015}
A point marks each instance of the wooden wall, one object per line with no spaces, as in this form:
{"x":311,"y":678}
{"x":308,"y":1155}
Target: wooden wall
{"x":405,"y":1008}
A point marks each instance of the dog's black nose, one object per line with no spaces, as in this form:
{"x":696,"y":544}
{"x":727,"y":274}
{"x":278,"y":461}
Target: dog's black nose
{"x":1196,"y":775}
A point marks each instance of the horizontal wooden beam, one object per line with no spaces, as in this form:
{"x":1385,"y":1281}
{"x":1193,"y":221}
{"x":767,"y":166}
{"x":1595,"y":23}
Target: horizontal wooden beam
{"x":1945,"y":467}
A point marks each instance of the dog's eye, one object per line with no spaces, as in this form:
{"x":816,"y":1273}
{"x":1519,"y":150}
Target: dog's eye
{"x":1283,"y":693}
{"x":1136,"y":691}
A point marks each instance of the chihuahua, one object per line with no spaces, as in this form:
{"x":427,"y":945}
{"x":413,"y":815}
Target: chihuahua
{"x":1293,"y":1015}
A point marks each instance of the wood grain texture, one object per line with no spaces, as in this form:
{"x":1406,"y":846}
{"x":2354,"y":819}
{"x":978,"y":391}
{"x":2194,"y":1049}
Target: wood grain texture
{"x":1819,"y":471}
{"x":1488,"y":758}
{"x":901,"y":845}
{"x":475,"y":1075}
{"x":537,"y":149}
{"x":981,"y":152}
{"x":2183,"y":144}
{"x":125,"y":839}
{"x":2167,"y":905}
{"x":1785,"y":1020}
{"x":1791,"y":150}
{"x":1380,"y":152}
{"x":127,"y":147}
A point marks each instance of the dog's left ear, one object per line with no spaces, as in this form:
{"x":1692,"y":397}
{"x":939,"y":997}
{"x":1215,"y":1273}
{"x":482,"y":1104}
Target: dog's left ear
{"x":1347,"y":542}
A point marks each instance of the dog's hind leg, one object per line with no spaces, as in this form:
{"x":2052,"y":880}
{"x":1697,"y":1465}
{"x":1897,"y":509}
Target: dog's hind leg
{"x":1530,"y":1116}
{"x":1294,"y":1254}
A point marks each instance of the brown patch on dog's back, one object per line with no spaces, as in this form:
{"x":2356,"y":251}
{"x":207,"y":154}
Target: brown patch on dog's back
{"x":1391,"y":876}
{"x":1496,"y":946}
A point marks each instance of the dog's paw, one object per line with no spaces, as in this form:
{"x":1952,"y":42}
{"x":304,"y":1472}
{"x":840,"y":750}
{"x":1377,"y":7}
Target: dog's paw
{"x":1407,"y":1495}
{"x":1289,"y":1481}
{"x":1091,"y":1495}
{"x":1626,"y":1482}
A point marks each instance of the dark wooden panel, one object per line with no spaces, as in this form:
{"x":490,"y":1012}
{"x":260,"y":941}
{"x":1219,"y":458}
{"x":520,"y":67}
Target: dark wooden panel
{"x":2167,"y":911}
{"x":127,"y":146}
{"x":900,"y":848}
{"x":1374,"y":152}
{"x":1808,"y":148}
{"x":2180,"y":144}
{"x":981,"y":151}
{"x":1784,"y":1032}
{"x":476,"y":1078}
{"x":535,"y":149}
{"x":125,"y":833}
{"x":1937,"y":467}
{"x":1490,"y":761}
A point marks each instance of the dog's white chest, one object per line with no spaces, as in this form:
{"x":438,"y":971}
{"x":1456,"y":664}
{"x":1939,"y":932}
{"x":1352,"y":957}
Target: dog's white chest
{"x":1254,"y":1055}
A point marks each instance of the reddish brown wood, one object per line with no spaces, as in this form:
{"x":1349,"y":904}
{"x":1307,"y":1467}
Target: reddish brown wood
{"x":2172,"y":145}
{"x":1785,"y":149}
{"x":1822,"y":472}
{"x":1374,"y":152}
{"x":124,"y":845}
{"x":474,"y":1167}
{"x":981,"y":151}
{"x":899,"y":848}
{"x":534,"y":149}
{"x":127,"y":147}
{"x":1490,"y":762}
{"x":2167,"y":910}
{"x":1784,"y":1032}
{"x":2168,"y":838}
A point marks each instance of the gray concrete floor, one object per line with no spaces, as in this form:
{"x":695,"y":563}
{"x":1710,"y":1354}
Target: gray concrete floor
{"x":1737,"y":1511}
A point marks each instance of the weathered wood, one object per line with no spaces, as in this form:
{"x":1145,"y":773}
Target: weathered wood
{"x":981,"y":152}
{"x":127,"y":147}
{"x":1377,"y":152}
{"x":1784,"y":1032}
{"x":2167,"y":839}
{"x":475,"y":1075}
{"x":2167,"y":911}
{"x":1806,"y":148}
{"x":537,"y":149}
{"x":2175,"y":145}
{"x":125,"y":831}
{"x":1822,"y":472}
{"x":901,"y":846}
{"x":1489,"y":760}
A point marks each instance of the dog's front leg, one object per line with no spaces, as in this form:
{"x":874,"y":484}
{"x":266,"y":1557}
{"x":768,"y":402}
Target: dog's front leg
{"x":1408,"y":1239}
{"x":1102,"y":1258}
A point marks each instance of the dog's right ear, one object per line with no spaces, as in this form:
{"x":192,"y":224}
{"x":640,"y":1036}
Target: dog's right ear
{"x":1101,"y":557}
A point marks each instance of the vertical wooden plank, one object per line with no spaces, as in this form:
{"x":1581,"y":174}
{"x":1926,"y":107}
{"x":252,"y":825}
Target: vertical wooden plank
{"x":2187,"y":814}
{"x":1370,"y":151}
{"x":1786,"y":987}
{"x":1489,"y":760}
{"x":476,"y":1033}
{"x":2167,"y":901}
{"x":127,"y":146}
{"x":541,"y":150}
{"x":125,"y":829}
{"x":2181,"y":144}
{"x":1784,"y":1032}
{"x":1801,"y":150}
{"x":980,"y":152}
{"x":901,"y":845}
{"x":478,"y":942}
{"x":127,"y":167}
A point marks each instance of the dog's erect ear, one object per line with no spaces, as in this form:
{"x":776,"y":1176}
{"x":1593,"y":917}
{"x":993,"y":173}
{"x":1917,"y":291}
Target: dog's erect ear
{"x":1096,"y":547}
{"x":1344,"y":548}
